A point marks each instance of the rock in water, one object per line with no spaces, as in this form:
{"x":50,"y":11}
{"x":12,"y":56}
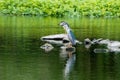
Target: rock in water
{"x":47,"y":47}
{"x":101,"y":50}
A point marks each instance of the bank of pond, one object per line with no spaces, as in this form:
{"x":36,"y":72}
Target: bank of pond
{"x":60,"y":8}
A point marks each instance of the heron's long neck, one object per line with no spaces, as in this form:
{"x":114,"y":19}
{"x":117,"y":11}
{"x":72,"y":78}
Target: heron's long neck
{"x":66,"y":27}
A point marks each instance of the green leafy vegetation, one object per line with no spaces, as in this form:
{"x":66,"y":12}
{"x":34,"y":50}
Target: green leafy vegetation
{"x":59,"y":8}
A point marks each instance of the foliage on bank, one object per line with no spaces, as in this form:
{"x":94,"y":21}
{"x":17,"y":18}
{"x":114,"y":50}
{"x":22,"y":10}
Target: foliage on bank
{"x":59,"y":8}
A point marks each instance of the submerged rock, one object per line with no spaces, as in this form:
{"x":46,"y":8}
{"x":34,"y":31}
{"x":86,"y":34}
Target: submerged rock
{"x":101,"y":50}
{"x":112,"y":46}
{"x":47,"y":47}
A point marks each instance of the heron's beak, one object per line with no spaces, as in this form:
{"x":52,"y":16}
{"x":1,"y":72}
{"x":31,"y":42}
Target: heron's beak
{"x":59,"y":24}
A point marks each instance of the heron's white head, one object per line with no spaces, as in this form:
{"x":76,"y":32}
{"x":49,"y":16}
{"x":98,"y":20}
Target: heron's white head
{"x":64,"y":25}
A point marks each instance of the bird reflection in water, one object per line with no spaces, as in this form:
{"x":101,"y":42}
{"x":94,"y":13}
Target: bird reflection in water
{"x":69,"y":66}
{"x":68,"y":51}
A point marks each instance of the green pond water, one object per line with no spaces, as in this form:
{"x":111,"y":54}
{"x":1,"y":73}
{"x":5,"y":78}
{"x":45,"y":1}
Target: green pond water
{"x":21,"y":57}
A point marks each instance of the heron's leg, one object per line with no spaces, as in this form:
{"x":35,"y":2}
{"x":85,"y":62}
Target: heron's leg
{"x":70,"y":54}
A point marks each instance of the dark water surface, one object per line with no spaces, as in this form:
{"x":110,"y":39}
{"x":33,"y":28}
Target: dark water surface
{"x":22,"y":59}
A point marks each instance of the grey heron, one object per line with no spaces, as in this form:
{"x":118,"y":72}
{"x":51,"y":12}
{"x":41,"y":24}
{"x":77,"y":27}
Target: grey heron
{"x":69,"y":32}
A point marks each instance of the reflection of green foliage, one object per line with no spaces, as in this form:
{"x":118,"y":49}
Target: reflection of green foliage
{"x":91,"y":8}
